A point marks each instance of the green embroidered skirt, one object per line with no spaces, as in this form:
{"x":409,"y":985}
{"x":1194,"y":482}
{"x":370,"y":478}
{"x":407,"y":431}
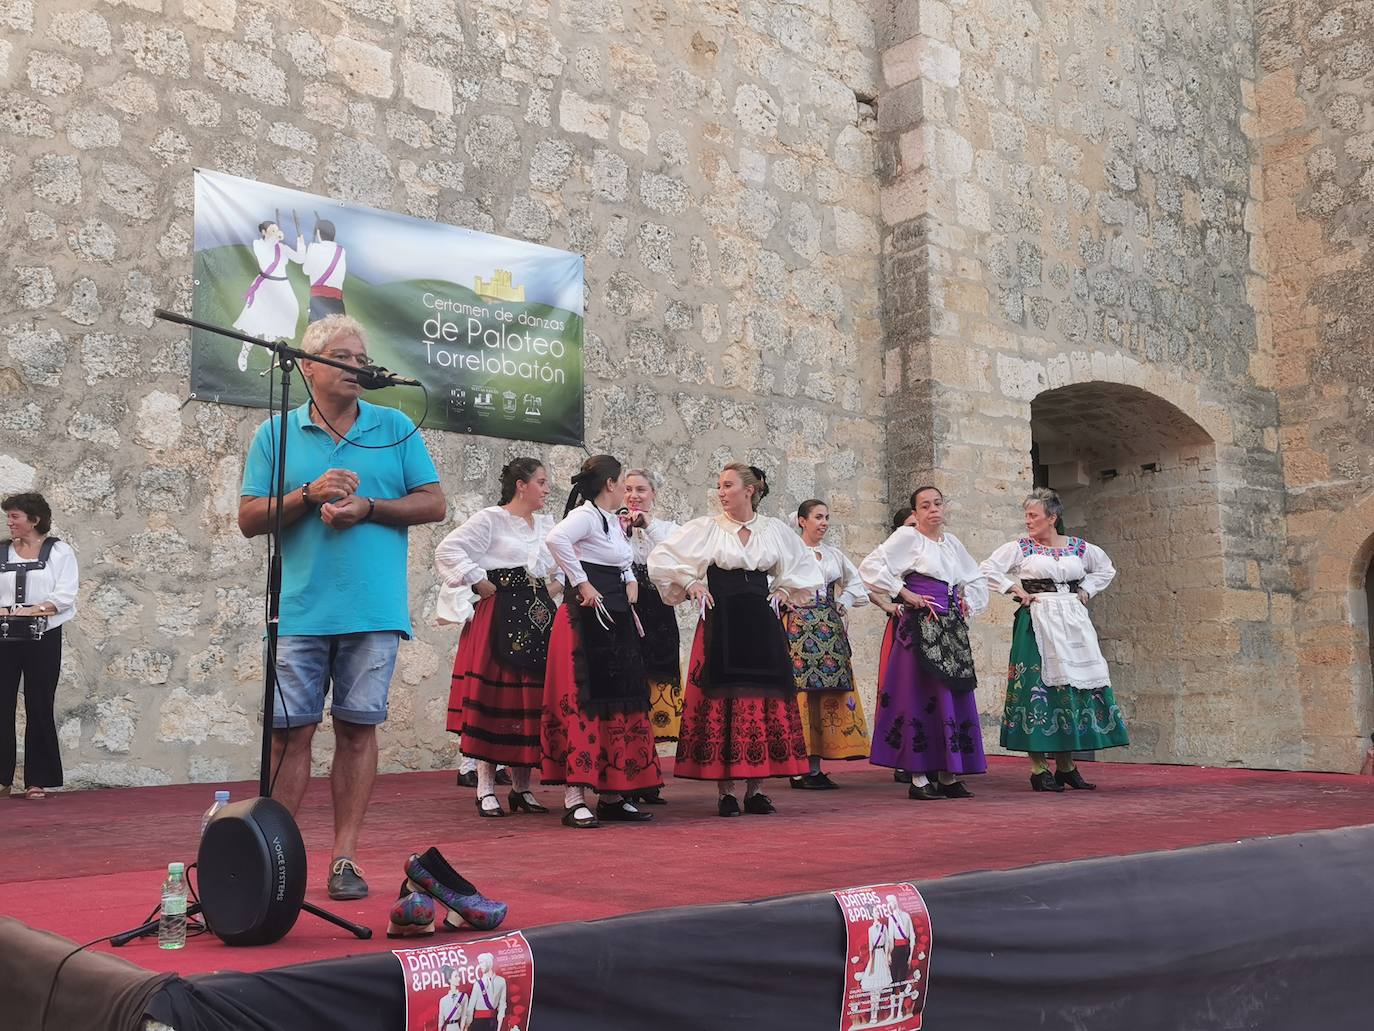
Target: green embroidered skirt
{"x":1041,"y":718}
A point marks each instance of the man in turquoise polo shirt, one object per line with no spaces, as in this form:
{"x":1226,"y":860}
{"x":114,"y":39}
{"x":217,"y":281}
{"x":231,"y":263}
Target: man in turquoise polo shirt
{"x":344,"y":602}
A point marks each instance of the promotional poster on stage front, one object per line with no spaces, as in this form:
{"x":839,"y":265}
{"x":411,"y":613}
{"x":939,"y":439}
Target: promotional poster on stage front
{"x":491,"y":327}
{"x":887,"y":957}
{"x":483,"y":985}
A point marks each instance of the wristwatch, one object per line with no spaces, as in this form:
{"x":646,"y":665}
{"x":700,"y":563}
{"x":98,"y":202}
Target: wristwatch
{"x":305,"y":493}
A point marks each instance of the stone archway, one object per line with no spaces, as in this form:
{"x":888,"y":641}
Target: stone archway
{"x":1139,"y":478}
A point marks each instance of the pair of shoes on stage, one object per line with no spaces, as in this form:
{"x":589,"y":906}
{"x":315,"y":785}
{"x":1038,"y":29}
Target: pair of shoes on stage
{"x":519,"y":802}
{"x":930,"y":792}
{"x":654,"y":796}
{"x":756,"y":805}
{"x":813,"y":782}
{"x":430,"y":879}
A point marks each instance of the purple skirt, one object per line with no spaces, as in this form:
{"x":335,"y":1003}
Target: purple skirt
{"x":921,"y":725}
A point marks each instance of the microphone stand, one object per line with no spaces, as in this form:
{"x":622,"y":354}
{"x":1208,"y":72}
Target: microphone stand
{"x":287,"y":358}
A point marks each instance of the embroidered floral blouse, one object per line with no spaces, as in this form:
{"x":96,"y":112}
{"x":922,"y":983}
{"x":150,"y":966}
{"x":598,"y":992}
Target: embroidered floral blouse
{"x":1024,"y":559}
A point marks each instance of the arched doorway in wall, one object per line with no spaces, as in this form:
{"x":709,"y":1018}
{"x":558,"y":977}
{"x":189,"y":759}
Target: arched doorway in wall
{"x":1138,"y":477}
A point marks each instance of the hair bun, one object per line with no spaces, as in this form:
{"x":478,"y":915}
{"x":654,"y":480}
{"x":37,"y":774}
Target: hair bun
{"x":763,"y":481}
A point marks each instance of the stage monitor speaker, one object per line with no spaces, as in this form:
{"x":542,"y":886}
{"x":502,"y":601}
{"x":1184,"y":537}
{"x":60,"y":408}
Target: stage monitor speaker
{"x":251,"y":872}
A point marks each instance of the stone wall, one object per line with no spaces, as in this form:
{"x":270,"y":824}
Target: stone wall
{"x":714,"y":162}
{"x":1074,"y":184}
{"x":1316,"y":117}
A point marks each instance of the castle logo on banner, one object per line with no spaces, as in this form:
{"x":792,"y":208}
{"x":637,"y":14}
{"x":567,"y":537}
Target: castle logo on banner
{"x":887,"y":957}
{"x":483,"y":985}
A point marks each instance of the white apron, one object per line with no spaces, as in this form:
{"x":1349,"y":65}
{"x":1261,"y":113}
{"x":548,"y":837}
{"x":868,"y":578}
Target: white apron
{"x":1069,"y":652}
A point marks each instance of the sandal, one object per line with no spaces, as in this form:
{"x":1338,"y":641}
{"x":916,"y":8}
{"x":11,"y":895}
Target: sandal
{"x":35,"y":793}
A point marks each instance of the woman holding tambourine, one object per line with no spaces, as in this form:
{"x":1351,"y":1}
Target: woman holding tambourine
{"x":38,"y":583}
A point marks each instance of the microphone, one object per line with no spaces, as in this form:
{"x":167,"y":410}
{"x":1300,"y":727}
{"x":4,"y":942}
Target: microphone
{"x":374,"y":377}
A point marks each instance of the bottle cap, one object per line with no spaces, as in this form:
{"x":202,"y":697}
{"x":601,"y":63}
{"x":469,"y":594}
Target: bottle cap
{"x":221,"y":796}
{"x":176,"y":868}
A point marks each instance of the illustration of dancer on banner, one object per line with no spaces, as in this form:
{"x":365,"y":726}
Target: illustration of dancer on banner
{"x":270,"y":308}
{"x":484,"y":985}
{"x":887,"y":957}
{"x":325,"y":265}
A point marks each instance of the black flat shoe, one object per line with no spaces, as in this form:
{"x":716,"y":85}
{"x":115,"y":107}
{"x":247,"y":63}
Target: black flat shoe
{"x":588,"y":822}
{"x":901,"y":776}
{"x":490,"y":814}
{"x":759,"y":805}
{"x":654,"y":796}
{"x":800,"y":783}
{"x":729,"y":805}
{"x":956,"y":790}
{"x":503,"y":778}
{"x":1044,"y":781}
{"x":822,"y":782}
{"x":467,"y":780}
{"x":523,"y":802}
{"x":620,"y":812}
{"x":924,"y":793}
{"x":1073,"y":779}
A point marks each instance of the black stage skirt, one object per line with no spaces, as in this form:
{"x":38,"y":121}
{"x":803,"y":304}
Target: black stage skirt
{"x":608,"y":662}
{"x":522,"y":620}
{"x":661,"y":644}
{"x":746,"y":645}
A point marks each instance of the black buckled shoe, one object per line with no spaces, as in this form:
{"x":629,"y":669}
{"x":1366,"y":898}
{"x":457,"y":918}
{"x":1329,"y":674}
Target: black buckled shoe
{"x":570,"y":819}
{"x":467,"y":780}
{"x":957,"y":789}
{"x":621,"y":812}
{"x":1044,"y":781}
{"x":1073,"y":779}
{"x":490,"y":814}
{"x":524,"y":802}
{"x":728,"y":806}
{"x":926,"y":792}
{"x":503,"y":778}
{"x":759,"y":804}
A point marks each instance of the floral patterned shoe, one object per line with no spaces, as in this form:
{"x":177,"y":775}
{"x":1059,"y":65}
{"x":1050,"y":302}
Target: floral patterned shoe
{"x":432,"y":874}
{"x":412,"y":916}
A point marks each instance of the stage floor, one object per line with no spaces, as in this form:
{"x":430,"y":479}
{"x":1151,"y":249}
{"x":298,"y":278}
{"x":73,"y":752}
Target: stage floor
{"x":90,"y":863}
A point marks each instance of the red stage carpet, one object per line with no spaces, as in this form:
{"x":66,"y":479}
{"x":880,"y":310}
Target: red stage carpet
{"x":90,"y":863}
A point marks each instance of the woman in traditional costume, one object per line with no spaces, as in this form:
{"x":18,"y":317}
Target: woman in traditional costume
{"x":740,"y":717}
{"x":270,"y":308}
{"x":596,"y":730}
{"x":1059,"y":693}
{"x":497,"y":694}
{"x":662,"y":646}
{"x":832,"y":717}
{"x":927,"y":719}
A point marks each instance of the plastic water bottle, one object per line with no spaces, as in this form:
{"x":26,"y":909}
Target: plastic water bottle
{"x":221,"y":800}
{"x":171,"y":925}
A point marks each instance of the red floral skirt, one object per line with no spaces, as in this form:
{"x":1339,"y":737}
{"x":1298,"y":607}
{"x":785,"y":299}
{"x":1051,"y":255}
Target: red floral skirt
{"x":495,"y":707}
{"x":730,"y":738}
{"x":613,"y":753}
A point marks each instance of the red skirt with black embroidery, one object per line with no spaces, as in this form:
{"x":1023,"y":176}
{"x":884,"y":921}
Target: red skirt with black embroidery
{"x":494,"y":706}
{"x":612,"y":753}
{"x":733,"y":738}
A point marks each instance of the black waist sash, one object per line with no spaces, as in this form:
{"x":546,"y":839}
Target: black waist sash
{"x":1048,"y":586}
{"x":746,"y":645}
{"x":661,"y":644}
{"x":607,"y":661}
{"x":522,"y":619}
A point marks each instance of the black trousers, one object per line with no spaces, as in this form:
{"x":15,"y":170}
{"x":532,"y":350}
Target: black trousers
{"x":38,"y":664}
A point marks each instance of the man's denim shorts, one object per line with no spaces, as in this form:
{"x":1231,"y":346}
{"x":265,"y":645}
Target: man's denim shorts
{"x":356,"y":667}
